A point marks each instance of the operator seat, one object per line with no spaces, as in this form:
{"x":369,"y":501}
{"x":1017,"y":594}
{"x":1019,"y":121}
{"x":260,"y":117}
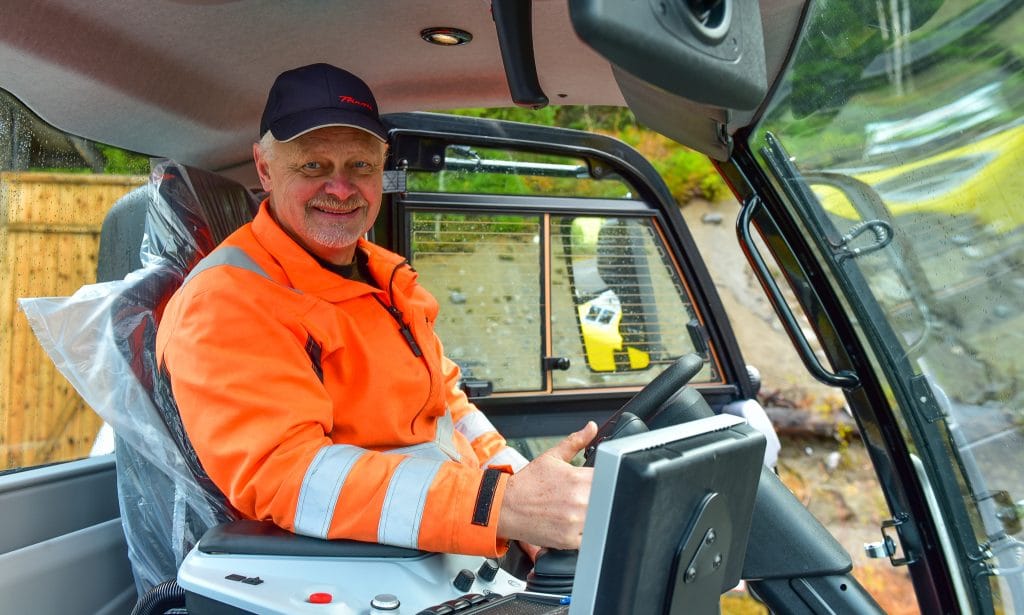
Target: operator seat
{"x":167,"y":501}
{"x":121,"y":235}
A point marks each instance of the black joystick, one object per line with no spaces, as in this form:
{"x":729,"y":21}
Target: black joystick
{"x":553,"y":572}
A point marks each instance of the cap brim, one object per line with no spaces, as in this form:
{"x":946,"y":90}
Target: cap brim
{"x":298,"y":124}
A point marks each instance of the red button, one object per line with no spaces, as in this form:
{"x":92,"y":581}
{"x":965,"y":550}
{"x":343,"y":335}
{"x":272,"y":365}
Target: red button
{"x":321,"y":598}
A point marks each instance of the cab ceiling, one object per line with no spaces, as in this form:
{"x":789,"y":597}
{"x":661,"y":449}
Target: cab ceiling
{"x":187,"y":78}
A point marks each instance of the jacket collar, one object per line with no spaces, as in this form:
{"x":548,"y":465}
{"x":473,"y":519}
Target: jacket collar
{"x":304,"y":273}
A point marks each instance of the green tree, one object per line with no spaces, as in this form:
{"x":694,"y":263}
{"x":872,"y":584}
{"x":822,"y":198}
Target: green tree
{"x":123,"y":162}
{"x":688,"y":174}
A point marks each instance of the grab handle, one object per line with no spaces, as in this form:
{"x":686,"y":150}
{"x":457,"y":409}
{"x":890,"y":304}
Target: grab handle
{"x":845,"y":378}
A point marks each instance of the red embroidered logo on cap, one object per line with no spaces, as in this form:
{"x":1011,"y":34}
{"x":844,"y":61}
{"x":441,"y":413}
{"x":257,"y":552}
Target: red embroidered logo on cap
{"x":353,"y":101}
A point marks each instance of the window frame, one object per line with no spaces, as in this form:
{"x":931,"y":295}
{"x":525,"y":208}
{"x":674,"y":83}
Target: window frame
{"x":415,"y":136}
{"x":510,"y":402}
{"x":547,"y":208}
{"x":408,"y":207}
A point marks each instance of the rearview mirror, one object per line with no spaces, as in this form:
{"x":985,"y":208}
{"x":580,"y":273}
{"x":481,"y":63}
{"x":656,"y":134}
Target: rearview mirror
{"x":707,"y":51}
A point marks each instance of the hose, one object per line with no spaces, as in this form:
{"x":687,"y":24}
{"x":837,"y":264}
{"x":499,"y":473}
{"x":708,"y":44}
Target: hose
{"x":160,"y":598}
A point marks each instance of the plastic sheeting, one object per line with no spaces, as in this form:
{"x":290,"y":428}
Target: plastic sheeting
{"x":102,"y":339}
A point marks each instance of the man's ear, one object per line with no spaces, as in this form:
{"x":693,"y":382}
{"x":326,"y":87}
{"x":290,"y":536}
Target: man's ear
{"x":262,"y":166}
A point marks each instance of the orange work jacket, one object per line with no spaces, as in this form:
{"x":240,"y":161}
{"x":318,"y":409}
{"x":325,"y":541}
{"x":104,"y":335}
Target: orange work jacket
{"x":327,"y":405}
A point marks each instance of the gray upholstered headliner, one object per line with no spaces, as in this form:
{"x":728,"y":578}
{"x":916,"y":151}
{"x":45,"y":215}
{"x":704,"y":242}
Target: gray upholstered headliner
{"x":187,"y":78}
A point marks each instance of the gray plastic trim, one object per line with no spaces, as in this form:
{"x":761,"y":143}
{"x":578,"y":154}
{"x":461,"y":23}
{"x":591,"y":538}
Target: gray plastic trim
{"x":39,"y":504}
{"x":86,"y":571}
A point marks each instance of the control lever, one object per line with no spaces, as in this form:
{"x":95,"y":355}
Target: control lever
{"x":649,"y":400}
{"x":620,"y":425}
{"x":553,"y":572}
{"x":555,"y":569}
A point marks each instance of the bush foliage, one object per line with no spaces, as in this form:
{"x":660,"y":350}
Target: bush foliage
{"x":687,"y":173}
{"x":123,"y":162}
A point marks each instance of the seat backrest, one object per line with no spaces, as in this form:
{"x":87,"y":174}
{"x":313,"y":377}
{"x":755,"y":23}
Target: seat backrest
{"x":197,"y":210}
{"x":121,"y":235}
{"x":166,"y":504}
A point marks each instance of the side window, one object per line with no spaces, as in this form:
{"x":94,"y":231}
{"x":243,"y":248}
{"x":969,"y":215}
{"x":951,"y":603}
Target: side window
{"x":619,"y":309}
{"x":535,"y":298}
{"x":55,"y":190}
{"x":484,"y":269}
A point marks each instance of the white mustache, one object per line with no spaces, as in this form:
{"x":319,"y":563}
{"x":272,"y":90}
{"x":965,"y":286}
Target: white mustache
{"x":335,"y":204}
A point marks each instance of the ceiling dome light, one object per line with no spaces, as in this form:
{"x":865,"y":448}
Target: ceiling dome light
{"x":446,"y":37}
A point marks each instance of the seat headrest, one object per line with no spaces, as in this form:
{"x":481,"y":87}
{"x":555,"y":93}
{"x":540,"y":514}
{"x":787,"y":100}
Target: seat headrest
{"x":121,"y":235}
{"x":192,"y":212}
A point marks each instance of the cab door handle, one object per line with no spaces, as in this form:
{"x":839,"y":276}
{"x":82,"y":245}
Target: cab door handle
{"x":559,"y":363}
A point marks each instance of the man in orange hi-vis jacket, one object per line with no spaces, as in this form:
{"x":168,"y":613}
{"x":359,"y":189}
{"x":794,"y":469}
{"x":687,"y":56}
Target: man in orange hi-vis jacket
{"x":306,"y":368}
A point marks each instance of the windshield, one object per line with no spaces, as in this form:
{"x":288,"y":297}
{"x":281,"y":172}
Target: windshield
{"x":902,"y":122}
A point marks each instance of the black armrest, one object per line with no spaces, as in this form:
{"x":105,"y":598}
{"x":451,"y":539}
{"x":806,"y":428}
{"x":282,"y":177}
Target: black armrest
{"x":265,"y":538}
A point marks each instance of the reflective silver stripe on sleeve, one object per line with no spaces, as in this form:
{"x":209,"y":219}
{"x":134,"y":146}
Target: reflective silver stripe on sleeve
{"x":508,"y":457}
{"x":402,"y":513}
{"x":227,"y":255}
{"x":474,"y":425}
{"x":321,"y":486}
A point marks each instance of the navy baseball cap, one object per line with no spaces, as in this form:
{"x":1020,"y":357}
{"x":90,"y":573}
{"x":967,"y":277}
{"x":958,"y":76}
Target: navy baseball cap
{"x":319,"y":95}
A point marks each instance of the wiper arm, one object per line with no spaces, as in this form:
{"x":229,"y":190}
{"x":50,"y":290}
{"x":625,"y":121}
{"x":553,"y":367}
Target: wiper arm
{"x":513,"y":167}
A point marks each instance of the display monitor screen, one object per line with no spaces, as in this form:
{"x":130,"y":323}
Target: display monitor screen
{"x":669,"y":517}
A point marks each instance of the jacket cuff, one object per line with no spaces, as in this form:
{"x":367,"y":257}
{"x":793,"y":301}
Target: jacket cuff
{"x":500,"y":544}
{"x":462,"y":513}
{"x":486,"y":509}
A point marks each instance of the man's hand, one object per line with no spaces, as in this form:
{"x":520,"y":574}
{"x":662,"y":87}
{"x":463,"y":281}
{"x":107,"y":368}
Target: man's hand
{"x":546,"y":502}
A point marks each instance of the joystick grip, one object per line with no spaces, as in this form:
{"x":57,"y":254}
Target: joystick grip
{"x":553,"y":572}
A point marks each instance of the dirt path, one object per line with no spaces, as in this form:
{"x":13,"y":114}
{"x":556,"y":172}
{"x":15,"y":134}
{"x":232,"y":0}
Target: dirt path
{"x":762,"y":340}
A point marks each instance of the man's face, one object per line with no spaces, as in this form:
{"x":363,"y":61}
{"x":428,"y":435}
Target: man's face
{"x":325,"y":188}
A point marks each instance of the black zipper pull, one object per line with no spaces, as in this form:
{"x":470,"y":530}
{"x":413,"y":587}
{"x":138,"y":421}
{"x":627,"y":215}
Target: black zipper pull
{"x":407,"y":334}
{"x":403,"y":328}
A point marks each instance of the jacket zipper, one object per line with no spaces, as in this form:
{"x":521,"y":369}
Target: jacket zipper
{"x":403,"y":327}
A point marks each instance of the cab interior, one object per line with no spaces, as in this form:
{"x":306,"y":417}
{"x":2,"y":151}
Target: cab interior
{"x":186,"y":80}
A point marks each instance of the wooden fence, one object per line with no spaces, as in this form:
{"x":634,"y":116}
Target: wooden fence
{"x":49,"y":239}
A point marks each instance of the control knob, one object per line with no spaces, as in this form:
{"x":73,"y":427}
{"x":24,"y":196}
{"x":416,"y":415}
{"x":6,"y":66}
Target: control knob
{"x":464,"y":580}
{"x":488,"y":570}
{"x":384,"y":603}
